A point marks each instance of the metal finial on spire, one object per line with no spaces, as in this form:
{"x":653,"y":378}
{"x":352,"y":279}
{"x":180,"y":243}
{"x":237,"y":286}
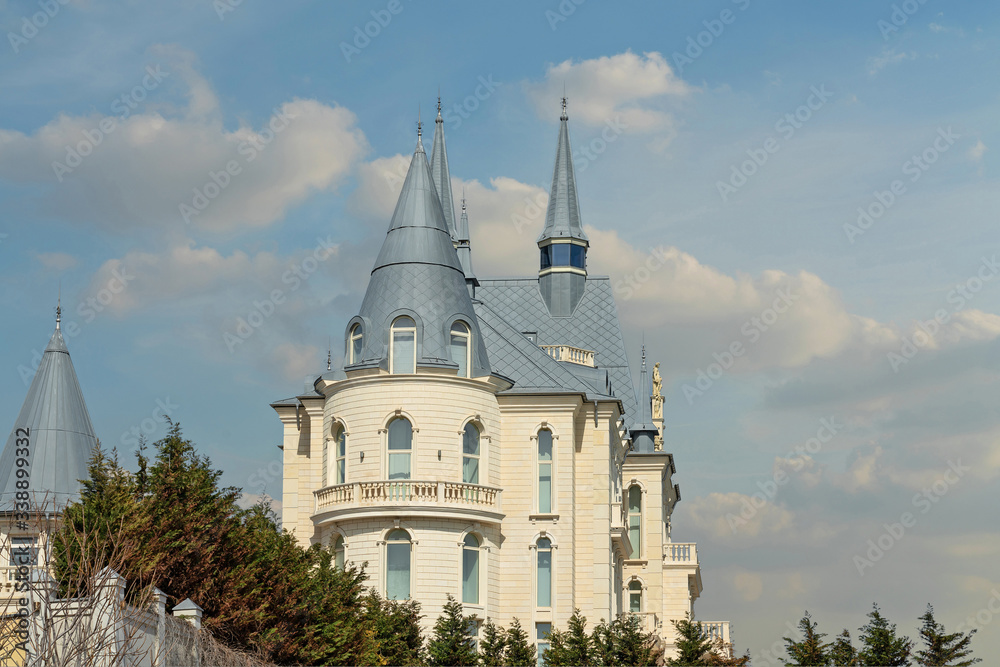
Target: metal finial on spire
{"x":329,"y":354}
{"x":420,"y":126}
{"x":439,"y":119}
{"x":463,"y":199}
{"x":564,"y":116}
{"x":59,"y":307}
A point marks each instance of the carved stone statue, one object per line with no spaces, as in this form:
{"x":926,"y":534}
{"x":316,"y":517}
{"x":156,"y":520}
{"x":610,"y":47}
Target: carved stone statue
{"x":657,"y":393}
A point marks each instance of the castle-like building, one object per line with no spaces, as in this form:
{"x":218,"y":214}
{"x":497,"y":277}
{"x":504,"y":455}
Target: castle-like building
{"x":483,"y":438}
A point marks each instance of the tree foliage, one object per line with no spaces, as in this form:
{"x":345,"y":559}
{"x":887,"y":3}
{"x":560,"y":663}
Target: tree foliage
{"x":879,"y":643}
{"x":453,"y":643}
{"x":620,"y":642}
{"x":942,"y":649}
{"x":693,"y":643}
{"x":260,"y":591}
{"x":519,"y":652}
{"x":811,"y":650}
{"x":842,"y":651}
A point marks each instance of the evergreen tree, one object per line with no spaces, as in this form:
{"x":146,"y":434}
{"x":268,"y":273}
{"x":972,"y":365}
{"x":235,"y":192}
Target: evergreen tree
{"x":632,"y":645}
{"x":452,"y":645}
{"x":572,"y":647}
{"x":519,"y":652}
{"x":811,"y":650}
{"x":942,"y":649}
{"x":879,"y":643}
{"x":393,"y":631}
{"x":491,"y":649}
{"x":693,"y":643}
{"x":842,"y":653}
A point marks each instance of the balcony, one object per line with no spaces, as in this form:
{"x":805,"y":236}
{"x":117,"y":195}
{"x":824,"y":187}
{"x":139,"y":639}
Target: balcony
{"x":717,"y":630}
{"x":680,"y":553}
{"x":568,"y":353}
{"x":407,"y":498}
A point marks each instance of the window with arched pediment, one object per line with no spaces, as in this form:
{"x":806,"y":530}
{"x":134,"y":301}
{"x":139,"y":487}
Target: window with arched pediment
{"x":403,"y":350}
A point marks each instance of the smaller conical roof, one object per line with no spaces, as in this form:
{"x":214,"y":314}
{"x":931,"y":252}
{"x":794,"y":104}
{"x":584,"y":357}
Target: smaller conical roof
{"x":464,"y":247}
{"x":562,"y":218}
{"x":60,"y":436}
{"x":441,"y":174}
{"x":643,"y":430}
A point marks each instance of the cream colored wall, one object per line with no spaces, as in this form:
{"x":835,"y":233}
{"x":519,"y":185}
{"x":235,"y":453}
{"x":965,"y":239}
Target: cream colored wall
{"x":584,"y":489}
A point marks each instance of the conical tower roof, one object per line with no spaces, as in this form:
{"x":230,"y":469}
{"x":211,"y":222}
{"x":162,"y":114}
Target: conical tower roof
{"x":418,"y":274}
{"x":60,"y":436}
{"x":464,"y":247}
{"x":562,"y":218}
{"x":441,"y":174}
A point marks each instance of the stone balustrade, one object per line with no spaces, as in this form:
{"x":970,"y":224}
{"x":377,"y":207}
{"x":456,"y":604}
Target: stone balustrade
{"x":680,"y":552}
{"x":359,"y":495}
{"x":574,"y":355}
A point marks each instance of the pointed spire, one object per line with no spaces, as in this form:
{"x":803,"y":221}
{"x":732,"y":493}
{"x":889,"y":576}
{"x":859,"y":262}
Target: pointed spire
{"x":441,"y":173}
{"x":562,"y":218}
{"x":61,"y":436}
{"x":465,"y":249}
{"x":644,"y":432}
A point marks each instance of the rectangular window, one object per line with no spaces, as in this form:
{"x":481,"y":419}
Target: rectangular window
{"x":542,"y":631}
{"x":460,"y":353}
{"x":560,"y":254}
{"x":578,"y":256}
{"x":342,"y":458}
{"x":397,"y":580}
{"x":326,"y":456}
{"x":23,"y":551}
{"x":544,"y":577}
{"x":544,"y":472}
{"x":399,"y":465}
{"x":470,"y":576}
{"x":635,"y":601}
{"x":546,"y":257}
{"x":403,"y":351}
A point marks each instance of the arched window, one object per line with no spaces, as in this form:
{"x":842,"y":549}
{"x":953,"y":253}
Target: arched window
{"x":341,"y":438}
{"x":544,"y":572}
{"x":635,"y":519}
{"x":400,"y":448}
{"x":339,"y":552}
{"x":403,"y":353}
{"x":397,"y":559}
{"x":635,"y":596}
{"x":544,"y":471}
{"x":470,"y":454}
{"x":460,"y":347}
{"x":470,"y":570}
{"x":355,"y":345}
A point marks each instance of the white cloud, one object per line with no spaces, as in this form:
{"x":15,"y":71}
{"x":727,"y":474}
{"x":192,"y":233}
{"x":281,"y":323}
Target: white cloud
{"x":888,"y":57}
{"x":151,"y":162}
{"x":56,"y":261}
{"x":625,"y":86}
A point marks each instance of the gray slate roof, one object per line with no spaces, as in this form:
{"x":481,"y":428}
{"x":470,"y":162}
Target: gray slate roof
{"x":593,"y":326}
{"x":417,"y":273}
{"x":562,"y":217}
{"x":61,"y":436}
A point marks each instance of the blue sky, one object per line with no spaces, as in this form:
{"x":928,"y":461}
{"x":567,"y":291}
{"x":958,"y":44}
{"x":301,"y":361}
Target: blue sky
{"x":673,"y":129}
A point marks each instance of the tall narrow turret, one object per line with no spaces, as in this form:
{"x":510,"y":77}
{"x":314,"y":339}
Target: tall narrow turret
{"x":563,"y":243}
{"x":441,"y":174}
{"x":54,"y":427}
{"x":644,"y":431}
{"x":464,"y":249}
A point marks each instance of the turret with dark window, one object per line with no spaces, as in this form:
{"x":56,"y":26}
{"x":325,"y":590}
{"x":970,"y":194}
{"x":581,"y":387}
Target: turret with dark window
{"x":563,"y":244}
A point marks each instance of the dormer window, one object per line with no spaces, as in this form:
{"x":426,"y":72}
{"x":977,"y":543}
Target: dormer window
{"x":355,"y":344}
{"x":403,"y":352}
{"x":460,"y":348}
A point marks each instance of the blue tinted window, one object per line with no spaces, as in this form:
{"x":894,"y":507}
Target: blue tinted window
{"x":546,"y":257}
{"x":578,"y":256}
{"x":560,"y":254}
